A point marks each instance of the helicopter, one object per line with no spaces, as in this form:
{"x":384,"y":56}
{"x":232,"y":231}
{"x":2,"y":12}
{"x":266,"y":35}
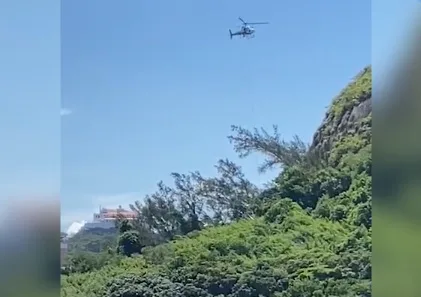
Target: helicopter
{"x":246,"y":31}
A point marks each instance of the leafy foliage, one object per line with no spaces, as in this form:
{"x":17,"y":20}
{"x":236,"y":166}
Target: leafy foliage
{"x":308,"y":234}
{"x":277,"y":151}
{"x":129,"y":240}
{"x":81,"y":262}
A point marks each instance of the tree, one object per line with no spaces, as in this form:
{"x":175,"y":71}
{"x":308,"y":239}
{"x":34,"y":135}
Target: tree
{"x":277,"y":151}
{"x":230,"y":196}
{"x":128,"y":240}
{"x":192,"y":204}
{"x":158,"y":216}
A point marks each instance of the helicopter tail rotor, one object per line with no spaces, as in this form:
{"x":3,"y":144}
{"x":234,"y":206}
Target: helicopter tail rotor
{"x":230,"y":34}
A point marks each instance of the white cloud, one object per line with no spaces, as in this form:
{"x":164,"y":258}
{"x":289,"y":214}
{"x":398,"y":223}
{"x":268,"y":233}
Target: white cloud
{"x":65,"y":112}
{"x":75,"y":218}
{"x":75,"y":228}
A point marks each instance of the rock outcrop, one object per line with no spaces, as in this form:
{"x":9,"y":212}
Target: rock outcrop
{"x":348,"y":115}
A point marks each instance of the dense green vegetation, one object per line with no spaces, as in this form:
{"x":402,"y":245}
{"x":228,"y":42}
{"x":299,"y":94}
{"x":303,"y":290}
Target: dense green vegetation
{"x":308,"y":234}
{"x":93,"y":240}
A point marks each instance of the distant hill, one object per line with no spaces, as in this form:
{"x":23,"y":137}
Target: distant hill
{"x":93,"y":240}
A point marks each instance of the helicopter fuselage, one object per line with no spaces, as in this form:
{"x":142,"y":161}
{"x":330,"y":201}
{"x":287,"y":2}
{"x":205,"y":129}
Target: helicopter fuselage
{"x":244,"y":31}
{"x":247,"y":30}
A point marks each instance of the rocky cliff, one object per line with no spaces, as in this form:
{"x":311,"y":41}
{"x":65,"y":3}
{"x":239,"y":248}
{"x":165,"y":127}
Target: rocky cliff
{"x":348,"y":118}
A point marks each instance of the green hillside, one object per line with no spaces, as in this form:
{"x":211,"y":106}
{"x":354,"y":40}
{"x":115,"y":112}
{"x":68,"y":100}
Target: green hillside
{"x":93,"y":240}
{"x":308,"y":234}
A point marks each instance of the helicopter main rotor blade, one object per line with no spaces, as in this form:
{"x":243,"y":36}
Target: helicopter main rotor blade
{"x":261,"y":23}
{"x":242,"y":21}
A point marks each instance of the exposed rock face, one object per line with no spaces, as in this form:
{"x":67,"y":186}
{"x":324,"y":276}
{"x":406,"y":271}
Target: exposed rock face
{"x":349,"y":114}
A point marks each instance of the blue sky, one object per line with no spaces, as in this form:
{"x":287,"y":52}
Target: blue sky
{"x":152,"y":87}
{"x":155,"y":85}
